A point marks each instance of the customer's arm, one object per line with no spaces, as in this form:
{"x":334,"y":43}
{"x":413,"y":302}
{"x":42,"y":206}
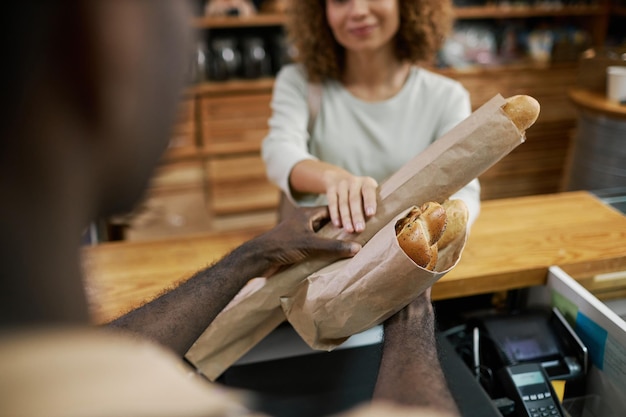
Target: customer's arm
{"x":410,"y":373}
{"x":301,"y":176}
{"x":177,"y":318}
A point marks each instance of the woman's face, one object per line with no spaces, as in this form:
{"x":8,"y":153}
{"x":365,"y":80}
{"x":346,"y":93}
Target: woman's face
{"x":363,"y":25}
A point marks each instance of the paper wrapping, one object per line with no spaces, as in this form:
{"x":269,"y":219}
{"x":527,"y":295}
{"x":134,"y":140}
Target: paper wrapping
{"x":448,"y":164}
{"x":353,"y":295}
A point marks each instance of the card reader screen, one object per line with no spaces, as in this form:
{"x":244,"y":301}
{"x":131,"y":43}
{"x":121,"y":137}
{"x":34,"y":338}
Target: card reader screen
{"x":527,"y":378}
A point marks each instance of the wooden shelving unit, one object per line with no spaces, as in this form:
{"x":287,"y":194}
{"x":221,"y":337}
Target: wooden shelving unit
{"x":519,"y":12}
{"x":469,"y":12}
{"x":598,"y":19}
{"x":258,"y":20}
{"x":230,"y":87}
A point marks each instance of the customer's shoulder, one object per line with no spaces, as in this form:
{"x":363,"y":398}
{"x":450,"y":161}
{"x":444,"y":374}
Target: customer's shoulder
{"x":436,"y":82}
{"x":292,"y":73}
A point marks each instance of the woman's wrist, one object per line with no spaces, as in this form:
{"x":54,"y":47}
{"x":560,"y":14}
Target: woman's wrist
{"x":314,"y":176}
{"x":331,"y":175}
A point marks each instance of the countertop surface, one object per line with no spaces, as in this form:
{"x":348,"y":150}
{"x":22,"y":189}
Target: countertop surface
{"x":597,"y":102}
{"x":512,"y":244}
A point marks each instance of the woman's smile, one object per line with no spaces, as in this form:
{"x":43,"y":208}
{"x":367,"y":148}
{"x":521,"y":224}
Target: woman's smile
{"x":362,"y":31}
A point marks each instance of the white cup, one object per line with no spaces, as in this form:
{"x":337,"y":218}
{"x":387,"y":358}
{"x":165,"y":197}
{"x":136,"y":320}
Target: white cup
{"x":616,"y":83}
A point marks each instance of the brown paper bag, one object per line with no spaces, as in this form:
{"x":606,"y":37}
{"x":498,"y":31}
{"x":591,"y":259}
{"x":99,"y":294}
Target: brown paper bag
{"x":353,"y":295}
{"x":462,"y":154}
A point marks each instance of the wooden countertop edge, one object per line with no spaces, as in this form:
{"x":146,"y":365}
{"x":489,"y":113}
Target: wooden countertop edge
{"x":597,"y":102}
{"x":445,"y":289}
{"x":523,"y":278}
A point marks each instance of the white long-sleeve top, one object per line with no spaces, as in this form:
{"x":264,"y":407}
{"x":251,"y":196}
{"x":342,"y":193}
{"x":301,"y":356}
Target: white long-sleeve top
{"x":365,"y":138}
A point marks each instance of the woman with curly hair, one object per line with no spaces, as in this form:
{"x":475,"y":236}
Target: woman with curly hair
{"x":358,"y":105}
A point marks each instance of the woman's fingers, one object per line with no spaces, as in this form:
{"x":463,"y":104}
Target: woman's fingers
{"x":356,"y":206}
{"x":370,"y":195}
{"x":343,"y":194}
{"x":333,"y":206}
{"x":351,"y":202}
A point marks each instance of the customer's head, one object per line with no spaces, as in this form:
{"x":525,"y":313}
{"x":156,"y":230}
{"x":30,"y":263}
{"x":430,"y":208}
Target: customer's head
{"x":421,"y":29}
{"x":94,"y":81}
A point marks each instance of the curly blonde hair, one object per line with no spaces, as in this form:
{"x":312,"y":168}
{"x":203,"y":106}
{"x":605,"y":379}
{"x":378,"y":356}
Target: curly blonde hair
{"x":423,"y":27}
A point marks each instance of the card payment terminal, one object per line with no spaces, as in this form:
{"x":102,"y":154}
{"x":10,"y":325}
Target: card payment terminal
{"x":529,"y":386}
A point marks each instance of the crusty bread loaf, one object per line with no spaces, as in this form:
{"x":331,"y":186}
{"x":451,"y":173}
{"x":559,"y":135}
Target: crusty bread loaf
{"x":424,"y":231}
{"x":457,"y":217}
{"x":433,"y":227}
{"x":419,"y":231}
{"x":522,"y":110}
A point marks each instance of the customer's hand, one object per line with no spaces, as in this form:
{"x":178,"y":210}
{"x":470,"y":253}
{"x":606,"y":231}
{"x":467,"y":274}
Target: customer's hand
{"x":351,"y":199}
{"x":295,"y":240}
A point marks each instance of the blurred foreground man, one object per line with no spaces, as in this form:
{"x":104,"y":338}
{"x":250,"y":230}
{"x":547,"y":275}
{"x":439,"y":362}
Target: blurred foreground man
{"x":89,"y":93}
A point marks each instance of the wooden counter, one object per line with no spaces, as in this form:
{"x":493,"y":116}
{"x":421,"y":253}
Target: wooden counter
{"x":512,"y":244}
{"x":514,"y":241}
{"x":596,"y":102}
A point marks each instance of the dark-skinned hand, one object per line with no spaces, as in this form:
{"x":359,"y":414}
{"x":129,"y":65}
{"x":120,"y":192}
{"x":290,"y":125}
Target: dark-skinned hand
{"x":295,"y":240}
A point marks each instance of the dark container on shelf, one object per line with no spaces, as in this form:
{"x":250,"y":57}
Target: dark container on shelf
{"x":255,"y":60}
{"x":225,"y":59}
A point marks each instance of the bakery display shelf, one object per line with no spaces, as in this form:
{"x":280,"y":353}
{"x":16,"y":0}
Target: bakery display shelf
{"x":258,"y":20}
{"x":469,"y":12}
{"x":238,"y":86}
{"x":231,"y":86}
{"x":508,"y":12}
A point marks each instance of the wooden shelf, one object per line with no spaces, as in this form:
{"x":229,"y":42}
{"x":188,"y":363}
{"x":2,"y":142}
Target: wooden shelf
{"x":229,"y":149}
{"x":258,"y":20}
{"x":502,"y":12}
{"x":470,"y":12}
{"x":242,"y":86}
{"x":182,"y":154}
{"x":231,"y":86}
{"x":521,"y":65}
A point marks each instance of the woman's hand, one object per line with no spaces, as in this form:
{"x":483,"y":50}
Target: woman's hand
{"x":351,"y":199}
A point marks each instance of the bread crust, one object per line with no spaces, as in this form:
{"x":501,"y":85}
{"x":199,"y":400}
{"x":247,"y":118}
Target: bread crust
{"x":522,"y":110}
{"x":426,"y":230}
{"x":419,"y":231}
{"x":457,"y":218}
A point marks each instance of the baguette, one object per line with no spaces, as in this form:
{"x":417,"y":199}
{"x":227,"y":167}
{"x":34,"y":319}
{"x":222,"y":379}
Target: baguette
{"x":242,"y":325}
{"x":457,"y":218}
{"x":426,"y":230}
{"x":522,"y":110}
{"x":419,"y":231}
